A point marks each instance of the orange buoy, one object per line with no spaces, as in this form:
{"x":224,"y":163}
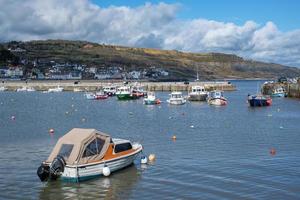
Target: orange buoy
{"x":151,"y":157}
{"x":51,"y":130}
{"x":273,"y":151}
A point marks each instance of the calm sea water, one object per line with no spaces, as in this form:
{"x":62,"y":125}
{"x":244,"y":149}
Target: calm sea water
{"x":226,"y":155}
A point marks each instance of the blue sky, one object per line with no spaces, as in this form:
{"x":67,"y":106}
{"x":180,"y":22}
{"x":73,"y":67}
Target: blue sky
{"x":284,"y":13}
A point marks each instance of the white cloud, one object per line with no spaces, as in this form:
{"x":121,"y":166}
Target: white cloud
{"x":149,"y":25}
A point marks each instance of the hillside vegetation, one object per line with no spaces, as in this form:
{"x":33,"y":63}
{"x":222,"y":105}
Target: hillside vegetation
{"x":179,"y":64}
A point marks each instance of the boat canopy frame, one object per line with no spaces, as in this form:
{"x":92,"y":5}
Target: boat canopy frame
{"x":76,"y":145}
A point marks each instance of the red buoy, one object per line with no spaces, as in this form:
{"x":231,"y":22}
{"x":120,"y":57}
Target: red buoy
{"x":273,"y":151}
{"x":51,"y":130}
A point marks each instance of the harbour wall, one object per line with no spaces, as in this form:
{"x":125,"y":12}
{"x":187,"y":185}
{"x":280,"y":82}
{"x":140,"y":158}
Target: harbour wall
{"x":93,"y":85}
{"x":292,"y":89}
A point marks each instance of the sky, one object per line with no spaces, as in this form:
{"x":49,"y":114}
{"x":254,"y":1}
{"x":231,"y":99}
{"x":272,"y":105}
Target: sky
{"x":264,"y":30}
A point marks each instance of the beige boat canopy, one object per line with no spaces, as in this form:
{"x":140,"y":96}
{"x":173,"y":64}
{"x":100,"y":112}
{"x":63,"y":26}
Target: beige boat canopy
{"x":81,"y":146}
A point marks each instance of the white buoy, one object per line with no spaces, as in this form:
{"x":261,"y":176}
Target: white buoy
{"x":144,"y":160}
{"x":192,"y":126}
{"x":106,"y":170}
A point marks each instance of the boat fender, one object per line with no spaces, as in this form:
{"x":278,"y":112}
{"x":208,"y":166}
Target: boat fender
{"x":106,"y":170}
{"x":144,"y":160}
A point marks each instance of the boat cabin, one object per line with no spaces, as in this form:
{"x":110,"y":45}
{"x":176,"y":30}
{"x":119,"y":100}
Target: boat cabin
{"x":83,"y":146}
{"x":176,"y":95}
{"x":123,"y":89}
{"x":198,"y":89}
{"x":216,"y":94}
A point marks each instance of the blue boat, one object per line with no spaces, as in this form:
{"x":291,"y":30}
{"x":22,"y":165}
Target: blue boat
{"x":278,"y":92}
{"x":259,"y":100}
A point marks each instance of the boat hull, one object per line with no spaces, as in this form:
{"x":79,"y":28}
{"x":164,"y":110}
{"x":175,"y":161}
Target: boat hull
{"x":197,"y":97}
{"x":259,"y":102}
{"x":90,"y":171}
{"x":151,"y":102}
{"x":217,"y":102}
{"x":176,"y":102}
{"x":126,"y":97}
{"x":278,"y":95}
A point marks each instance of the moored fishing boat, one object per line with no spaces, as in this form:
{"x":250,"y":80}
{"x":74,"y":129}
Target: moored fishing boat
{"x":138,"y":91}
{"x":151,"y":99}
{"x":101,"y":95}
{"x":259,"y":100}
{"x":176,"y":98}
{"x":278,"y":92}
{"x":124,"y":93}
{"x":110,"y":90}
{"x":198,"y":93}
{"x":82,"y":154}
{"x":216,"y":98}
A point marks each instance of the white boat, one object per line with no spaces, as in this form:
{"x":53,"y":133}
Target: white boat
{"x":22,"y":89}
{"x":217,"y":98}
{"x":31,"y":89}
{"x":90,"y":95}
{"x":82,"y":154}
{"x":2,"y":89}
{"x":77,"y":90}
{"x":278,"y":92}
{"x":151,"y":99}
{"x":176,"y":98}
{"x":110,"y":90}
{"x":57,"y":89}
{"x":198,"y":93}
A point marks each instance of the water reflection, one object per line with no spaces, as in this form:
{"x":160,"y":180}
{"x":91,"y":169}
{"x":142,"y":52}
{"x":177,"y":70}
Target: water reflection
{"x":118,"y":186}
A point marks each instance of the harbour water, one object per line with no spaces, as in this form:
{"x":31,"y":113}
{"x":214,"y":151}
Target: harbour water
{"x":220,"y":152}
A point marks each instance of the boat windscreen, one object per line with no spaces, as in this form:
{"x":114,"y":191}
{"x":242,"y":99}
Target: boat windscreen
{"x":65,"y":150}
{"x":94,"y":148}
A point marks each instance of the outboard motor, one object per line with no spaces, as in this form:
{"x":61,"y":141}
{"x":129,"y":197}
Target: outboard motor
{"x":57,"y":167}
{"x":43,"y":172}
{"x":53,"y":171}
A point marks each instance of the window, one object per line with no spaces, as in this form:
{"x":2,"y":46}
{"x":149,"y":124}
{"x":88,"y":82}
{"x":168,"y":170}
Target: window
{"x":65,"y":150}
{"x":93,"y":148}
{"x":122,"y":147}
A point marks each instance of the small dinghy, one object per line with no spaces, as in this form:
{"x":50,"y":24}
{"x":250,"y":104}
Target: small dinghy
{"x":82,"y":154}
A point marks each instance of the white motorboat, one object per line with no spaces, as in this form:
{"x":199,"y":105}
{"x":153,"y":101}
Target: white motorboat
{"x":176,"y":98}
{"x":2,"y":89}
{"x":82,"y":154}
{"x":22,"y":89}
{"x":198,"y":93}
{"x":57,"y":89}
{"x":90,"y":95}
{"x":110,"y":90}
{"x":31,"y":89}
{"x":151,"y":99}
{"x":217,"y":98}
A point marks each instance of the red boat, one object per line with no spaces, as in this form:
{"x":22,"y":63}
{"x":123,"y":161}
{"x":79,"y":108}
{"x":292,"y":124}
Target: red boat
{"x":101,"y":95}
